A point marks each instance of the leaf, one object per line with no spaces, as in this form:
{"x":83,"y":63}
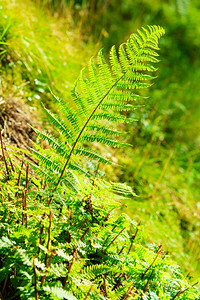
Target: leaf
{"x":59,"y":292}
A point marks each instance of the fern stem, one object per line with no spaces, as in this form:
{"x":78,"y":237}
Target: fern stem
{"x":25,"y":192}
{"x":69,"y":268}
{"x":88,"y":292}
{"x":114,"y":240}
{"x":3,"y":154}
{"x":80,"y":133}
{"x":40,"y":240}
{"x":49,"y":235}
{"x":133,"y":237}
{"x":24,"y":199}
{"x":11,"y":164}
{"x":47,"y":267}
{"x":183,"y":291}
{"x":128,"y":293}
{"x":4,"y":284}
{"x":35,"y":280}
{"x":147,"y":284}
{"x":104,"y":284}
{"x":84,"y":234}
{"x":1,"y":193}
{"x":156,"y":257}
{"x":18,"y":179}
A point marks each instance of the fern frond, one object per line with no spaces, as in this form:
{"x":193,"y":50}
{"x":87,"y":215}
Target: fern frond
{"x":102,"y":139}
{"x":91,"y":154}
{"x":117,"y":106}
{"x":109,"y":131}
{"x":70,"y":115}
{"x":59,"y":124}
{"x":59,"y":292}
{"x":112,"y":117}
{"x":51,"y":175}
{"x":93,"y":271}
{"x":103,"y":91}
{"x":54,"y":142}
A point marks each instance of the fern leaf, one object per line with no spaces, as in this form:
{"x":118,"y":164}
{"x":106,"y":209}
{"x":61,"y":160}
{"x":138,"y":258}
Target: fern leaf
{"x":103,"y":92}
{"x":91,"y":154}
{"x":59,"y":292}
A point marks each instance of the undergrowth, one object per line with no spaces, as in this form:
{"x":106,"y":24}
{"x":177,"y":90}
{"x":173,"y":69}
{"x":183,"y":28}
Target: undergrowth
{"x":39,"y":48}
{"x":61,"y":237}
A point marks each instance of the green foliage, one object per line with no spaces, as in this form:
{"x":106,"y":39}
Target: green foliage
{"x":61,"y":237}
{"x":85,"y":249}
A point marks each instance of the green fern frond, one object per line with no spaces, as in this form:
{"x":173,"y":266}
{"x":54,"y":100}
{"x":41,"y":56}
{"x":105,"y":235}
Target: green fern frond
{"x":59,"y":292}
{"x":51,"y":172}
{"x":103,"y":91}
{"x":59,"y":124}
{"x":93,"y":271}
{"x":112,"y":117}
{"x":102,"y":139}
{"x":91,"y":154}
{"x":54,"y":142}
{"x":117,"y":106}
{"x":122,"y":189}
{"x":109,"y":131}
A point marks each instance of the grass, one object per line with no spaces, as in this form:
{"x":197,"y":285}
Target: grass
{"x":41,"y":52}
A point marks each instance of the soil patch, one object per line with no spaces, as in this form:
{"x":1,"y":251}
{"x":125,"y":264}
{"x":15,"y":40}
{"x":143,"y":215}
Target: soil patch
{"x":15,"y":120}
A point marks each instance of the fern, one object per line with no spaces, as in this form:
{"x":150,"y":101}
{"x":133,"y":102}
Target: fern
{"x":103,"y":91}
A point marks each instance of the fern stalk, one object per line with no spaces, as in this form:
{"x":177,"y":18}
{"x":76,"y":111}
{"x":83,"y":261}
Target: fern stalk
{"x":35,"y":280}
{"x":3,"y":154}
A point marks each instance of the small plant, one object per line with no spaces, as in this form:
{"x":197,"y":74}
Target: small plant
{"x":61,"y":237}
